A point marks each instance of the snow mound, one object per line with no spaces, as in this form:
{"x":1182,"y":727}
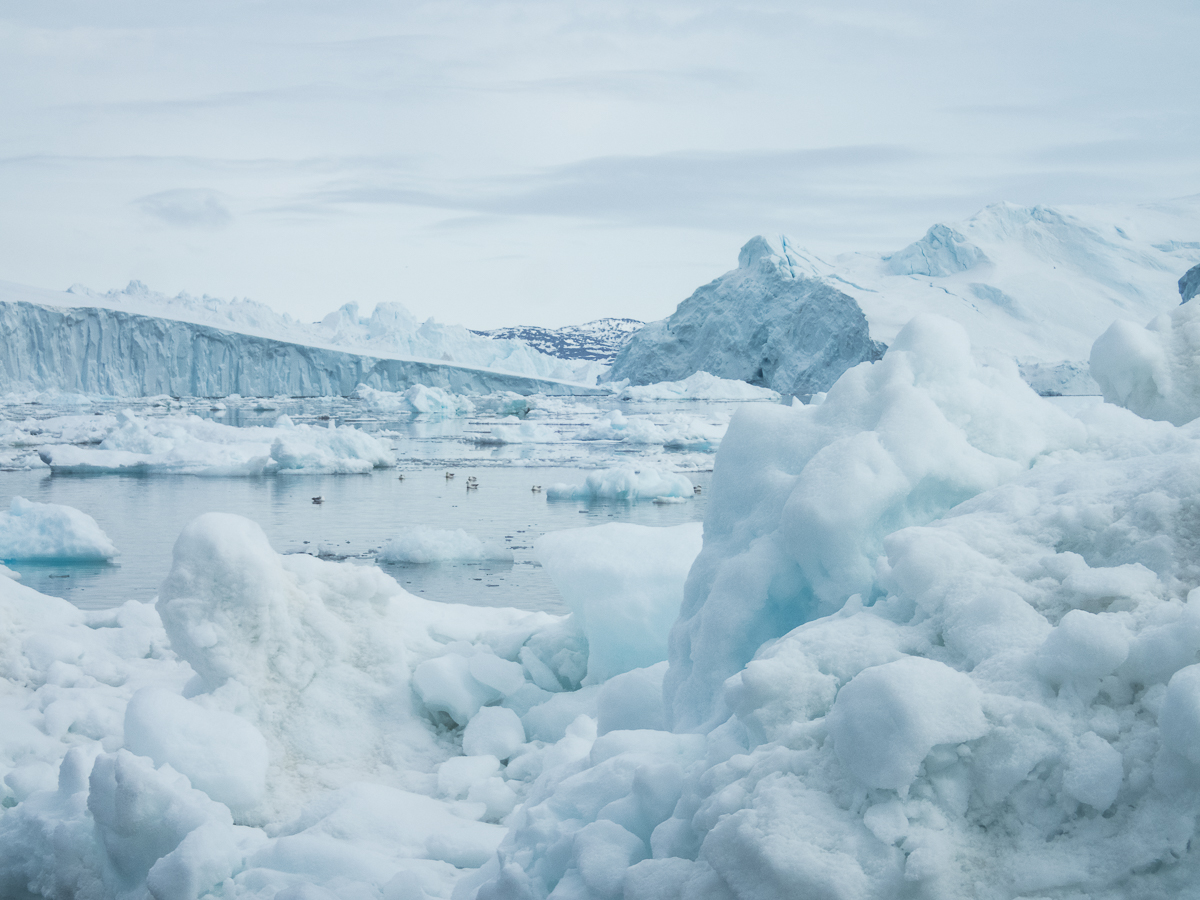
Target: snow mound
{"x":698,"y":386}
{"x":191,"y":445}
{"x":624,"y":483}
{"x":48,"y":531}
{"x":764,"y":323}
{"x":433,"y":545}
{"x":943,"y":251}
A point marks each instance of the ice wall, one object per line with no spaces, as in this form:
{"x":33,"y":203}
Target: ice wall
{"x":106,"y":351}
{"x":764,"y":323}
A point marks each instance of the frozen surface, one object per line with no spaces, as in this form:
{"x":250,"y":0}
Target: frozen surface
{"x":698,"y":386}
{"x":765,"y":323}
{"x":32,"y":531}
{"x":135,"y":343}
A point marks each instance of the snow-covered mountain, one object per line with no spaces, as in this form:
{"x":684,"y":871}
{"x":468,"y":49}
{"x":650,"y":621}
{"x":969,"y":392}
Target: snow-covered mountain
{"x":136,"y":342}
{"x":763,"y":323}
{"x":1034,"y":283}
{"x":599,"y":340}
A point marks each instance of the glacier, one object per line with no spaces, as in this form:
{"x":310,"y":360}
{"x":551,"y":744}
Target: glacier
{"x":139,"y":343}
{"x":762,"y":323}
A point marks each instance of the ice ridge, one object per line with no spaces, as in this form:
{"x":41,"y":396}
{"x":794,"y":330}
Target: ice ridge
{"x":764,"y":322}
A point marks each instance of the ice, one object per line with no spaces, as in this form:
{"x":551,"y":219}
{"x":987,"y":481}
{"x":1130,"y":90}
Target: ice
{"x":191,"y":445}
{"x":678,"y":431}
{"x":80,"y":341}
{"x":423,"y":544}
{"x":624,"y":483}
{"x":943,"y":251}
{"x":1152,"y":370}
{"x":493,"y":731}
{"x":417,"y":399}
{"x":698,"y":386}
{"x":511,"y":430}
{"x":1189,"y":284}
{"x":764,"y":323}
{"x":49,"y":531}
{"x":624,"y":585}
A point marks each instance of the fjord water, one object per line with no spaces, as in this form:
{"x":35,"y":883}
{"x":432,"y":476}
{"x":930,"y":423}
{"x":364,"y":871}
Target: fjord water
{"x":144,"y":514}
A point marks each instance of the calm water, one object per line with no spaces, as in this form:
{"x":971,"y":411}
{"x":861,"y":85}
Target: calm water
{"x":143,"y":515}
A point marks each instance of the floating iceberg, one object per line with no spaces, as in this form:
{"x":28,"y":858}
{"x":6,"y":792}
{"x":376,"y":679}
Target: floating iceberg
{"x":48,"y":531}
{"x":765,"y":323}
{"x":417,"y":399}
{"x":191,"y":445}
{"x":433,"y":545}
{"x":624,"y":483}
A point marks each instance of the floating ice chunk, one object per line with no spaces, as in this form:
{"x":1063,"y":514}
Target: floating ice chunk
{"x":698,"y":386}
{"x":624,"y":483}
{"x":888,"y":718}
{"x":493,"y":731}
{"x":433,"y":545}
{"x":48,"y":531}
{"x":511,"y":430}
{"x":624,"y":583}
{"x":221,"y":754}
{"x":416,"y":399}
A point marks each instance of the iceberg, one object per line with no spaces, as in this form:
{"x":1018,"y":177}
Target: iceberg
{"x":698,"y":386}
{"x":46,"y":532}
{"x":624,"y":483}
{"x":765,"y":323}
{"x":423,"y":544}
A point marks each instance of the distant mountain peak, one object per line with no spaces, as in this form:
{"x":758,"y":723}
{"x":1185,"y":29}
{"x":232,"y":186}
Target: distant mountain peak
{"x":598,"y":340}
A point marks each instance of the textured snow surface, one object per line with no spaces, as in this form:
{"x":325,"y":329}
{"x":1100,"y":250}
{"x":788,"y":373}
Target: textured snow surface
{"x":763,"y":323}
{"x":137,"y":343}
{"x":48,"y":531}
{"x":195,"y":446}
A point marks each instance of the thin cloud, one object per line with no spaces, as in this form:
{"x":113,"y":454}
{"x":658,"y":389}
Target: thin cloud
{"x":187,"y":208}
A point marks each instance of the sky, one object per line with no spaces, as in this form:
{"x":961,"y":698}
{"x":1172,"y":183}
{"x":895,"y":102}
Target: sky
{"x":501,"y":163}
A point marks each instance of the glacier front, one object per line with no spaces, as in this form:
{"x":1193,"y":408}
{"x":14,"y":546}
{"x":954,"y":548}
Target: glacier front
{"x":99,"y":350}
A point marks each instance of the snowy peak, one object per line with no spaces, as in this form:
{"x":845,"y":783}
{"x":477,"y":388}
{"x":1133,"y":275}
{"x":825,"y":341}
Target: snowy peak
{"x":598,"y":341}
{"x":943,"y":251}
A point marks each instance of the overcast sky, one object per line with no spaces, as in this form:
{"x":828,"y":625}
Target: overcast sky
{"x":497,"y":163}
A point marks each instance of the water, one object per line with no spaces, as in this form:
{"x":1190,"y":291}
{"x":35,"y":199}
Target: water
{"x":143,"y":515}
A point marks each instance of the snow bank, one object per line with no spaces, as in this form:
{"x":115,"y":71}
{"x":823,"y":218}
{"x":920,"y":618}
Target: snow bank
{"x":624,"y":583}
{"x":624,"y":483}
{"x":432,"y":545}
{"x":698,"y":386}
{"x":47,"y":531}
{"x":765,"y":323}
{"x":191,"y":445}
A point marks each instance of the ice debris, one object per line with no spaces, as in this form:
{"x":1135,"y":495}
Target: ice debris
{"x":49,"y":531}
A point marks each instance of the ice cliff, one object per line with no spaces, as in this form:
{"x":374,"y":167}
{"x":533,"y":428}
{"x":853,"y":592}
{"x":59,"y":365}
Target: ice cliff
{"x":764,"y":322}
{"x":95,"y":349}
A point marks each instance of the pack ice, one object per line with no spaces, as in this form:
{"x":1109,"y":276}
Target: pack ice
{"x":939,"y":638}
{"x":137,"y":343}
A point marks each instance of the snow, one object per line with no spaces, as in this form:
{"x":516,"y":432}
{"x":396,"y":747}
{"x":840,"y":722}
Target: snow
{"x":135,"y":343}
{"x":624,"y":483}
{"x":423,"y":544}
{"x":195,"y":446}
{"x":49,"y":531}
